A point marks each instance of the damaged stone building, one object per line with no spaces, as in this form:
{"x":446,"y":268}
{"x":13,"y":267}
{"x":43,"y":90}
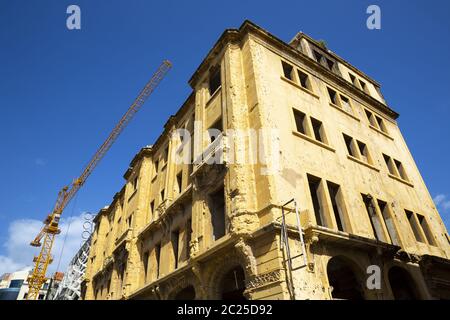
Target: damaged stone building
{"x":230,"y":230}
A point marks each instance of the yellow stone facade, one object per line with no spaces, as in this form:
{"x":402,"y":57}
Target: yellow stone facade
{"x":214,"y":231}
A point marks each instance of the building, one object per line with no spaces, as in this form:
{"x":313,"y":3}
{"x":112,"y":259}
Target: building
{"x":297,"y":122}
{"x":70,"y":287}
{"x":14,"y":286}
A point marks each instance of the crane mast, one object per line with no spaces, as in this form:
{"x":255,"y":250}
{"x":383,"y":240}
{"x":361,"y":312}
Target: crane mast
{"x":50,"y":229}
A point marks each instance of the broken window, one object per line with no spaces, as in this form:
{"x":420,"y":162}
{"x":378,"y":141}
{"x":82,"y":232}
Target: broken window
{"x":400,"y":169}
{"x":179,"y":182}
{"x":300,"y":119}
{"x":363,"y":86}
{"x":426,"y":229}
{"x":389,"y":164}
{"x":329,"y":64}
{"x":217,"y":210}
{"x":364,"y":152}
{"x":414,"y":226}
{"x":145,"y":264}
{"x":350,"y":145}
{"x":352,"y":79}
{"x":188,"y":238}
{"x":288,"y":70}
{"x":215,"y":130}
{"x":304,"y":80}
{"x":371,"y":118}
{"x":318,"y":130}
{"x":337,"y":204}
{"x":214,"y":81}
{"x":166,"y":154}
{"x":158,"y":258}
{"x":345,"y":104}
{"x":130,"y":221}
{"x":381,"y":124}
{"x":373,"y":217}
{"x":156,"y":166}
{"x":175,"y":238}
{"x":152,"y":210}
{"x":317,"y":199}
{"x":318,"y":56}
{"x":388,"y":221}
{"x":135,"y":183}
{"x":333,"y":96}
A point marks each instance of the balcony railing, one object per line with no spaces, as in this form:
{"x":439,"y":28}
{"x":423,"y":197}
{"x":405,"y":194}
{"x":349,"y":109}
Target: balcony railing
{"x":215,"y":152}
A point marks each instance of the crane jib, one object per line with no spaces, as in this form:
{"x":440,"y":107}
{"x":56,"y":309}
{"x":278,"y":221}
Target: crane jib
{"x":50,"y":228}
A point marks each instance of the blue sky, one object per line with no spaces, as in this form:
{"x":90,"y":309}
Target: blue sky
{"x":62,"y":91}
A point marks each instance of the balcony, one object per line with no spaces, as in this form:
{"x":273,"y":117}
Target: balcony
{"x":126,"y":236}
{"x":215,"y":153}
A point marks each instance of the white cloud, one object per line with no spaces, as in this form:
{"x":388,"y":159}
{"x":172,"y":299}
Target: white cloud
{"x":40,"y":162}
{"x":442,"y":202}
{"x":19,"y":253}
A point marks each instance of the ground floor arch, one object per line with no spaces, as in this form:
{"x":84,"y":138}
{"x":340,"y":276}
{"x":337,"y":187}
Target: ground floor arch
{"x":344,"y":280}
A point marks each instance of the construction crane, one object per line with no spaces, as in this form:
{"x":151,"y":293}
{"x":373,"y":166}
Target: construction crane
{"x":51,"y":224}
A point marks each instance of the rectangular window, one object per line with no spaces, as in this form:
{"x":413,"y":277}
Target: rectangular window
{"x":304,"y":80}
{"x":350,"y":146}
{"x":188,"y":238}
{"x":345,"y":104}
{"x":162,"y":195}
{"x":135,"y":183}
{"x":166,"y":154}
{"x":158,"y":258}
{"x":414,"y":226}
{"x":287,"y":70}
{"x":145,"y":264}
{"x":318,"y":56}
{"x":363,"y":86}
{"x":316,"y":197}
{"x":426,"y":229}
{"x":400,"y":169}
{"x":364,"y":152}
{"x":380,"y":123}
{"x":333,"y":96}
{"x":330,"y":64}
{"x":373,"y":217}
{"x":214,"y":134}
{"x":371,"y":118}
{"x":389,"y":164}
{"x":175,"y":242}
{"x":217,"y":210}
{"x":337,"y":203}
{"x":388,"y":221}
{"x":152,"y":210}
{"x":179,"y":182}
{"x":156,"y":166}
{"x":130,"y":221}
{"x":214,"y":81}
{"x":300,"y":119}
{"x":318,"y":130}
{"x":352,"y":79}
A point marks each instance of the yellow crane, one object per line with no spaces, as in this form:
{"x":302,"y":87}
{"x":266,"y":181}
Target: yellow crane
{"x":51,"y":224}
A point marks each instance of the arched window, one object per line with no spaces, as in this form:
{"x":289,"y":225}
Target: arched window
{"x":232,"y":286}
{"x":343,"y":280}
{"x":402,"y":284}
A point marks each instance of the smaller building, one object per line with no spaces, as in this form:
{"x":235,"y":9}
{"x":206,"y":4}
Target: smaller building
{"x":14,"y":286}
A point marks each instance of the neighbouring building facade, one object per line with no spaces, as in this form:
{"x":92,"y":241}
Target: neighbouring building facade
{"x":226,"y":230}
{"x":14,"y":286}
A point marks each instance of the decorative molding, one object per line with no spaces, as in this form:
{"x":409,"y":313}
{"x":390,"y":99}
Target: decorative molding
{"x":263,"y":279}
